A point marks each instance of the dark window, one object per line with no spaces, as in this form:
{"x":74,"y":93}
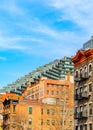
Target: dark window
{"x":81,"y":127}
{"x":41,"y":110}
{"x":64,"y":122}
{"x":41,"y":121}
{"x":85,"y":127}
{"x":30,"y":110}
{"x":90,"y":126}
{"x":47,"y":85}
{"x":53,"y":122}
{"x":76,"y":74}
{"x":90,"y":87}
{"x":76,"y":128}
{"x":14,"y":108}
{"x":90,"y":68}
{"x":90,"y":109}
{"x":30,"y":121}
{"x":80,"y":72}
{"x":81,"y":90}
{"x":48,"y":122}
{"x":48,"y":111}
{"x":76,"y":91}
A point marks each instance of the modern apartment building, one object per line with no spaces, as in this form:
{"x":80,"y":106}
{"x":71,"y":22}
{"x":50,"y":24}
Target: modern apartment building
{"x":83,"y":91}
{"x":56,"y":70}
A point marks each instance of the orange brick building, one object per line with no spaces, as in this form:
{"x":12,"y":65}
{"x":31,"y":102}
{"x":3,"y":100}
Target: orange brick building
{"x":50,"y":96}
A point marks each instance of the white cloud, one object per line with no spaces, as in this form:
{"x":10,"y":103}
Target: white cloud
{"x":10,"y":43}
{"x":49,"y":40}
{"x":79,"y":12}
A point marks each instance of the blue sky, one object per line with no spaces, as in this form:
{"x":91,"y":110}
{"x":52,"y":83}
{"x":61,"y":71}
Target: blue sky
{"x":35,"y":32}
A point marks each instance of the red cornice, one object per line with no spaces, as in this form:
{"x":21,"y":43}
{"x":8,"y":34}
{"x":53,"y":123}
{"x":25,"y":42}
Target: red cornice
{"x":82,"y":56}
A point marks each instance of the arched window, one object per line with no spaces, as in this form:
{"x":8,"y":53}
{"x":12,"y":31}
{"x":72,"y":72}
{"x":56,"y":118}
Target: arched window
{"x":76,"y":75}
{"x":85,"y":71}
{"x":90,"y":68}
{"x":80,"y":72}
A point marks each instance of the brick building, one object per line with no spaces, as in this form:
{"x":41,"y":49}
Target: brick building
{"x":51,"y":96}
{"x":83,"y":64}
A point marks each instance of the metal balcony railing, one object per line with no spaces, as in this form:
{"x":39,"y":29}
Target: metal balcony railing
{"x":83,"y":95}
{"x":81,"y":115}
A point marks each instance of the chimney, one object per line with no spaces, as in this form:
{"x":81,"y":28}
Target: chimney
{"x":68,"y":76}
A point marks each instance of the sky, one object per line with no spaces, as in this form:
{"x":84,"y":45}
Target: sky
{"x":35,"y":32}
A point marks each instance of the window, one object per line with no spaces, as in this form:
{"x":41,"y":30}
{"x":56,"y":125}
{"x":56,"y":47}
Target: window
{"x":81,"y":108}
{"x":71,"y":112}
{"x":47,"y":92}
{"x":48,"y":111}
{"x":41,"y":110}
{"x":40,"y":94}
{"x":90,"y":126}
{"x":30,"y":110}
{"x":76,"y":91}
{"x":81,"y":90}
{"x":41,"y":121}
{"x":76,"y":128}
{"x":0,"y":107}
{"x":80,"y":72}
{"x":85,"y":69}
{"x":70,"y":123}
{"x":47,"y":85}
{"x":30,"y":121}
{"x":61,"y":122}
{"x":57,"y":92}
{"x":52,"y":92}
{"x":48,"y":122}
{"x":53,"y":122}
{"x":64,"y":122}
{"x":76,"y":74}
{"x":90,"y":109}
{"x":85,"y":127}
{"x":90,"y":68}
{"x":14,"y":108}
{"x":53,"y":111}
{"x":90,"y":87}
{"x":81,"y":127}
{"x":52,"y":86}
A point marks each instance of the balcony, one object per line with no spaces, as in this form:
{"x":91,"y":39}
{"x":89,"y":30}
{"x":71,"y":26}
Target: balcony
{"x":81,"y":115}
{"x":76,"y":115}
{"x":77,"y":79}
{"x":83,"y":95}
{"x":84,"y":76}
